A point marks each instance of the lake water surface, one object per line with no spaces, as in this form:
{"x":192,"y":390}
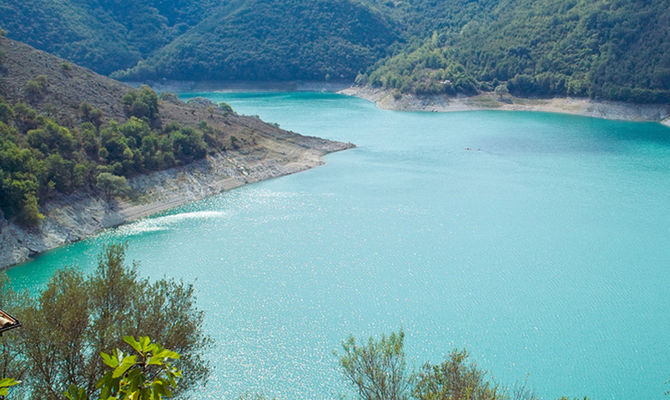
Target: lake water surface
{"x":537,"y":241}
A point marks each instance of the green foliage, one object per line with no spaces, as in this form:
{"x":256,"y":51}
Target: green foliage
{"x":39,"y":157}
{"x":6,"y":112}
{"x":188,"y":144}
{"x":142,"y":103}
{"x":227,"y":109}
{"x":35,"y":88}
{"x":617,"y":50}
{"x":430,"y":69}
{"x":112,"y":185}
{"x":249,"y":40}
{"x":146,"y":375}
{"x":236,"y":40}
{"x":606,"y":50}
{"x":5,"y":384}
{"x":103,"y":35}
{"x":455,"y":379}
{"x":89,"y":113}
{"x":377,"y":371}
{"x":77,"y":317}
{"x":51,"y":137}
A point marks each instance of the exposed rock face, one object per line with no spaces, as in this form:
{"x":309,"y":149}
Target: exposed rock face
{"x":74,"y":217}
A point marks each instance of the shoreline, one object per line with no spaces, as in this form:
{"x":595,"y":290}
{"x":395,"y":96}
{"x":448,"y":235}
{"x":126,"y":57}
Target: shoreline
{"x":245,"y":86}
{"x":70,"y":218}
{"x":389,"y":100}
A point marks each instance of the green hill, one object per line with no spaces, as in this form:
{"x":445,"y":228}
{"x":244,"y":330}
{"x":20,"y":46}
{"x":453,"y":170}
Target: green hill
{"x":615,"y":50}
{"x":104,"y":35}
{"x":606,"y":49}
{"x":263,"y":40}
{"x":65,"y":129}
{"x":206,"y":39}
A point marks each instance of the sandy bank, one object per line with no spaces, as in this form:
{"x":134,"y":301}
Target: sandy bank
{"x":386,"y":99}
{"x":75,"y":217}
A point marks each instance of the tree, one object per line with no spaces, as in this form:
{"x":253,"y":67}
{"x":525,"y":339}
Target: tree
{"x":455,"y":379}
{"x":77,"y":317}
{"x":35,"y":88}
{"x":89,"y":113}
{"x":112,"y":185}
{"x":188,"y":145}
{"x":501,"y":91}
{"x":377,"y":371}
{"x":142,"y":103}
{"x":6,"y":111}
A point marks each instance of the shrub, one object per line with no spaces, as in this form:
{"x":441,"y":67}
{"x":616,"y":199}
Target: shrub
{"x":455,"y":379}
{"x":142,"y":103}
{"x":89,"y":113}
{"x":35,"y":88}
{"x":77,"y":317}
{"x":226,"y":108}
{"x":112,"y":185}
{"x":378,"y":370}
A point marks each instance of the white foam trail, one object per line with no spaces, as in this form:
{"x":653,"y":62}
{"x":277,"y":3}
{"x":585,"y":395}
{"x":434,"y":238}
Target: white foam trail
{"x":164,"y":223}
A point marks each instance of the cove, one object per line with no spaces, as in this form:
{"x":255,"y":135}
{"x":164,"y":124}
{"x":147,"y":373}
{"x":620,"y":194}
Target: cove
{"x":537,"y":241}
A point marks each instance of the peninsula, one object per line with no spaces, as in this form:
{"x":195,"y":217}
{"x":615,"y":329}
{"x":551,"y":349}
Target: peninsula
{"x":96,"y":153}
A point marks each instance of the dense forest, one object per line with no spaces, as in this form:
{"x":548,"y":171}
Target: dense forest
{"x":205,"y":39}
{"x":104,"y":35}
{"x":614,"y":50}
{"x":301,"y":39}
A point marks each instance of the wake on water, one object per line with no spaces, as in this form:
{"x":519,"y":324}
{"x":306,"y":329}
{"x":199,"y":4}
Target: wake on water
{"x":166,"y":222}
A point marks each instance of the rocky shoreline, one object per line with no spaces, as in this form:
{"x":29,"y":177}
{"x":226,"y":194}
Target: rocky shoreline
{"x":70,"y":218}
{"x":392,"y":100}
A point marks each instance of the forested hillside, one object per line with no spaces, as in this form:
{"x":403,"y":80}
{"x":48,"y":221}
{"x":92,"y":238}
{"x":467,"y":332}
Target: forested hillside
{"x":617,"y":50}
{"x":104,"y":35}
{"x":65,"y":129}
{"x":206,"y":39}
{"x":270,"y":40}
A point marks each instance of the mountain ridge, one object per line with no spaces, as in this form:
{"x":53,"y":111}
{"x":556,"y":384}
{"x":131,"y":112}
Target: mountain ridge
{"x":610,"y":50}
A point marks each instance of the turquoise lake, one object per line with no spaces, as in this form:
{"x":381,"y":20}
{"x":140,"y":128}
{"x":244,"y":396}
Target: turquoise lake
{"x":537,"y":241}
